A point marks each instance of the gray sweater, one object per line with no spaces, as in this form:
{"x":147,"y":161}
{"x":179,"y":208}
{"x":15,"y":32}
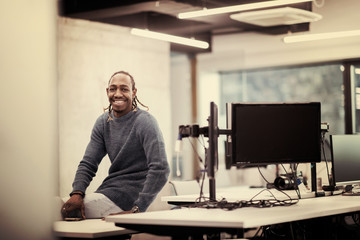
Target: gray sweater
{"x":139,"y":167}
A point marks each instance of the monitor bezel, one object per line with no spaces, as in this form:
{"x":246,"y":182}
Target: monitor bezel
{"x":233,"y":138}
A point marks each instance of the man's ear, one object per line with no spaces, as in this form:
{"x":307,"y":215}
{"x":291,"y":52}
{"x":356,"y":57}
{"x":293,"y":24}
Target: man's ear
{"x":134,"y":92}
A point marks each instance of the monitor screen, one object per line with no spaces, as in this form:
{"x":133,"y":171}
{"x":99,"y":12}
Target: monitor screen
{"x":345,"y":154}
{"x":275,"y":133}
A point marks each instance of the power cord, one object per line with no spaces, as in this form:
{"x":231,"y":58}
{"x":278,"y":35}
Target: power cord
{"x":325,"y":158}
{"x":260,"y":203}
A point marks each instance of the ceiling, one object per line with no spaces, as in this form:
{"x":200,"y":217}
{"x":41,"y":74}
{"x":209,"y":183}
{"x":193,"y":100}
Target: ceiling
{"x":161,"y":16}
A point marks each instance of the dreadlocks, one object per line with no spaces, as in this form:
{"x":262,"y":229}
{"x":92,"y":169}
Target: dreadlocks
{"x":135,"y":99}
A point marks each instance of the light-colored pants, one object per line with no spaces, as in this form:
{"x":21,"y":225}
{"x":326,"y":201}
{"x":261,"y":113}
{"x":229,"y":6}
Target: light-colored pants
{"x":97,"y":205}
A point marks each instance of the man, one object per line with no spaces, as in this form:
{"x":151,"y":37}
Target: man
{"x":133,"y":141}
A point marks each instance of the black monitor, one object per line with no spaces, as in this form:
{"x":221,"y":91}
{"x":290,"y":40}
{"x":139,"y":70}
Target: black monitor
{"x":274,"y":133}
{"x":345,"y":154}
{"x":213,"y":141}
{"x":212,"y":154}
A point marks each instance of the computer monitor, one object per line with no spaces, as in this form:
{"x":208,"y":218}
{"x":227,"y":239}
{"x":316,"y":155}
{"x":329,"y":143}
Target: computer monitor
{"x":345,"y":155}
{"x":213,"y":141}
{"x":274,"y":133}
{"x":212,"y":154}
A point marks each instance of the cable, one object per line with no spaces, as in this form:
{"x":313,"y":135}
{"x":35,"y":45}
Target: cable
{"x":203,"y":172}
{"x":263,"y":175}
{"x":259,"y":203}
{"x":257,"y":232}
{"x":297,"y":192}
{"x":285,"y":201}
{"x":292,"y":231}
{"x":284,"y":168}
{"x":293,"y":173}
{"x":355,"y":217}
{"x":197,"y":154}
{"x":203,"y":141}
{"x":201,"y":189}
{"x":324,"y":154}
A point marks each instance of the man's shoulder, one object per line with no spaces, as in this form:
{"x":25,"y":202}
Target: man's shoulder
{"x":102,"y":119}
{"x":145,"y":118}
{"x":103,"y":116}
{"x":143,"y":115}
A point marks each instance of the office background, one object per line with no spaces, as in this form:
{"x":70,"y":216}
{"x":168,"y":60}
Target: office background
{"x":55,"y":71}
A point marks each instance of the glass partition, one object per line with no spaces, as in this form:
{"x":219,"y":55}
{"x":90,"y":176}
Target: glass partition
{"x":318,"y":83}
{"x":355,"y":79}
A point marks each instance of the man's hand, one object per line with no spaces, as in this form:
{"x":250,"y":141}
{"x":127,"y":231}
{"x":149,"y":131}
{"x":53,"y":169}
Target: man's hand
{"x":73,"y":208}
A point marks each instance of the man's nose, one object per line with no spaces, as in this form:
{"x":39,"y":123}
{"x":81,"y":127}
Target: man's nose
{"x":118,"y":92}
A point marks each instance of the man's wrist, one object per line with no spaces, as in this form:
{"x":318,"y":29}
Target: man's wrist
{"x":135,"y":209}
{"x":77,"y":193}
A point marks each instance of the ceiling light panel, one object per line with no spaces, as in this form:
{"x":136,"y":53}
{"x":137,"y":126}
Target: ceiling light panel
{"x":276,"y":17}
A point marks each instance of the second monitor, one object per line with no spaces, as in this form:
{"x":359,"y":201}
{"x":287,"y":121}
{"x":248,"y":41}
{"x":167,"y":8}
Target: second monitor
{"x":273,"y":133}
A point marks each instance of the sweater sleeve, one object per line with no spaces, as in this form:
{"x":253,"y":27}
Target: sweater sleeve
{"x":94,"y":153}
{"x":158,"y":167}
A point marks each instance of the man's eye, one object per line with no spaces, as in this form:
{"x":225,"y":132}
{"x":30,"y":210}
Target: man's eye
{"x":112,"y":89}
{"x":124,"y":89}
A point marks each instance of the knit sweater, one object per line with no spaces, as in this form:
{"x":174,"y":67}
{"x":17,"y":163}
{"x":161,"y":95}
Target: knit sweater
{"x":139,"y":167}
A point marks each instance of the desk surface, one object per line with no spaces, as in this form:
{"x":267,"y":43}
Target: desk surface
{"x":238,"y":193}
{"x":90,"y":228}
{"x":247,"y":217}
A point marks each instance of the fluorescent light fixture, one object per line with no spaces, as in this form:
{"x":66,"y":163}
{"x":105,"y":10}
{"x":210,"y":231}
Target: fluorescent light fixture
{"x":320,"y":36}
{"x":238,"y":8}
{"x":170,"y":38}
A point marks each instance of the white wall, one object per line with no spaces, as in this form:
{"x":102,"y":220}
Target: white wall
{"x":28,"y":122}
{"x":89,"y":53}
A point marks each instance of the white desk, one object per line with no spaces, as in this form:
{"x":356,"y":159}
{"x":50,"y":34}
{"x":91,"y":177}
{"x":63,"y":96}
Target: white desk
{"x":242,"y":218}
{"x":90,"y":228}
{"x":238,"y":193}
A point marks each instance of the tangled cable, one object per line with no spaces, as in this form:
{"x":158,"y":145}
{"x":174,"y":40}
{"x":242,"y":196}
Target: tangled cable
{"x":260,"y":203}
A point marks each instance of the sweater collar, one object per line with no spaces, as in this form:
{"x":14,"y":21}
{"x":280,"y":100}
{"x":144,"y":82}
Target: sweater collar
{"x":125,"y":117}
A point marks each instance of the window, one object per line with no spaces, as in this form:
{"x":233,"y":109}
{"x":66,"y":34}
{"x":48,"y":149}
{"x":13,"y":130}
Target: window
{"x":355,"y":79}
{"x":321,"y":83}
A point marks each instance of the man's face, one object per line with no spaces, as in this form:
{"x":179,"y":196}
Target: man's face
{"x":120,"y":94}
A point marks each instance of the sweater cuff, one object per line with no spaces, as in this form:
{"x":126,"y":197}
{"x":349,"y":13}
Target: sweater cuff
{"x":142,"y":207}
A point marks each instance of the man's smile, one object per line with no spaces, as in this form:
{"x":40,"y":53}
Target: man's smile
{"x":119,"y":101}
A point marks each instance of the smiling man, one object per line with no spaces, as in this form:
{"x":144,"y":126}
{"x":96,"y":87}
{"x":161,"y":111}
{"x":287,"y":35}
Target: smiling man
{"x":133,"y":141}
{"x":121,"y":94}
